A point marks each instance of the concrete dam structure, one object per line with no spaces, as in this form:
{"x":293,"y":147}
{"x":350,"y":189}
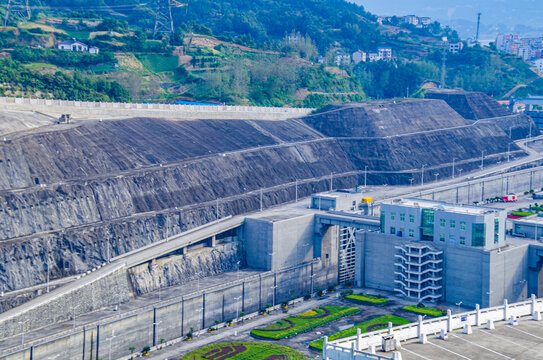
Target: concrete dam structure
{"x":74,"y":195}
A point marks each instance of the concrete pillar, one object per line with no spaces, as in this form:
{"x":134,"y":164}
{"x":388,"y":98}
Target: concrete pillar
{"x":371,"y":349}
{"x":505,"y":310}
{"x":467,"y":329}
{"x":185,"y":250}
{"x":358,"y":338}
{"x":449,"y":320}
{"x":212,"y":242}
{"x":419,"y":327}
{"x":534,"y":303}
{"x":423,"y":339}
{"x":390,"y":328}
{"x":396,"y":355}
{"x":477,"y":315}
{"x":352,"y":351}
{"x":536,"y":316}
{"x":324,"y":346}
{"x":443,"y":334}
{"x":513,"y":320}
{"x":490,"y":325}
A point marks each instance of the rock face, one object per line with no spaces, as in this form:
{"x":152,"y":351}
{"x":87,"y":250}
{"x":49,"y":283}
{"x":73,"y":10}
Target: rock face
{"x":73,"y":195}
{"x":181,"y":269}
{"x":477,"y":106}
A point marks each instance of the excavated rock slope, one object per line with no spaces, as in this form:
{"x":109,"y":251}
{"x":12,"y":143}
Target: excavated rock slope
{"x":73,"y":194}
{"x":477,"y":106}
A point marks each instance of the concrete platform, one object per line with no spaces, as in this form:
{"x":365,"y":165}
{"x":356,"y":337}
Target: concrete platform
{"x":524,"y":341}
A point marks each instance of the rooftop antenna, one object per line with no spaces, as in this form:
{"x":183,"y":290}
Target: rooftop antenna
{"x":17,"y":10}
{"x":478,"y":25}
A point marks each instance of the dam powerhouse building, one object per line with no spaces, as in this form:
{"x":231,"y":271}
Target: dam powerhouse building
{"x":422,"y":249}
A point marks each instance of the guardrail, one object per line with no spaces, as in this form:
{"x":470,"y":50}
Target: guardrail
{"x":442,"y":325}
{"x":142,"y":106}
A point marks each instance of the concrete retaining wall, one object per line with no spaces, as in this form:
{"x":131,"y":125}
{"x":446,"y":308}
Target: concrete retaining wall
{"x":172,"y":320}
{"x":82,"y":109}
{"x":104,"y":291}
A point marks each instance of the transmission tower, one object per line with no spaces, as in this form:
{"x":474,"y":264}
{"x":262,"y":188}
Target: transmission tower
{"x":17,"y":10}
{"x":163,"y":22}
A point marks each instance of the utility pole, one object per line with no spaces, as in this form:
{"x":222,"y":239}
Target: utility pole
{"x":478,"y":26}
{"x":17,"y":10}
{"x":443,"y":68}
{"x":163,"y":19}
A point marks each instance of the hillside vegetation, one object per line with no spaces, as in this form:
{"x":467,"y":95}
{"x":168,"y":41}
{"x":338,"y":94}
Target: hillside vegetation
{"x":279,"y":53}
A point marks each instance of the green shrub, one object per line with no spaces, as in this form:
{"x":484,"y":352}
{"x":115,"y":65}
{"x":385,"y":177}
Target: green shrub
{"x":375,"y":322}
{"x":424,"y":310}
{"x":294,"y":325}
{"x":522,"y":213}
{"x":254,"y":351}
{"x":375,"y":300}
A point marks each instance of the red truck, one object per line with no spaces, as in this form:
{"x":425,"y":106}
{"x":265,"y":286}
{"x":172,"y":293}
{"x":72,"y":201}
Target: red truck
{"x":509,"y":198}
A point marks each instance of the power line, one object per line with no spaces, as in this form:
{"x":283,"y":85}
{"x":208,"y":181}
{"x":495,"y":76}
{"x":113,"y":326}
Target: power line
{"x":17,"y":10}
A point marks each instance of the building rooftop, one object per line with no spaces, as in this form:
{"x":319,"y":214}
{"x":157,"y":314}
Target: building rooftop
{"x":444,"y":206}
{"x":533,"y":219}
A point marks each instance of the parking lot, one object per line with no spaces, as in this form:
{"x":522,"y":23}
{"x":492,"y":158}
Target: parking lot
{"x":524,"y":341}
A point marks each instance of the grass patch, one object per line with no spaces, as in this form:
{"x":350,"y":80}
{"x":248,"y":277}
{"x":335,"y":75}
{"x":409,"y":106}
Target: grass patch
{"x":424,"y":310}
{"x":521,"y":213}
{"x":374,"y":324}
{"x":33,"y":66}
{"x":375,"y":300}
{"x":293,"y":325}
{"x":243,"y":351}
{"x":159,"y":63}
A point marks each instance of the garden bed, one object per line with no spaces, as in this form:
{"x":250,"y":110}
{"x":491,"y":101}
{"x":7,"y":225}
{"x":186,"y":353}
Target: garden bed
{"x":294,"y":325}
{"x":369,"y":299}
{"x":374,"y":324}
{"x":244,"y":351}
{"x":424,"y":310}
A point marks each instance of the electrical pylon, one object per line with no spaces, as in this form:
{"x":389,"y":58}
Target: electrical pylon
{"x":16,"y":11}
{"x":163,"y":22}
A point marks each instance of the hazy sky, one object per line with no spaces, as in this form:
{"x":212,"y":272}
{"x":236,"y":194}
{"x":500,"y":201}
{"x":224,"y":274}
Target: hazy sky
{"x":497,"y":15}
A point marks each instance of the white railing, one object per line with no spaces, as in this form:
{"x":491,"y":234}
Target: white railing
{"x":448,"y":323}
{"x":140,"y":106}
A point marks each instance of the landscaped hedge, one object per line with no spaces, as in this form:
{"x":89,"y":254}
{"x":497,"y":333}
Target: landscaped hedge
{"x":293,"y":325}
{"x":243,"y":351}
{"x":375,"y":300}
{"x":424,"y":310}
{"x":375,"y":324}
{"x":522,"y":213}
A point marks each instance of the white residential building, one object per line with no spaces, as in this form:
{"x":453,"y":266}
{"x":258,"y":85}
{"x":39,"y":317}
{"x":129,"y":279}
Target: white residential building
{"x":77,"y":46}
{"x":455,"y":48}
{"x":359,"y":56}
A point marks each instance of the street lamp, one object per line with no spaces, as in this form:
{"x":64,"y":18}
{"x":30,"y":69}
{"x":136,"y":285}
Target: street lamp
{"x":73,"y":311}
{"x":482,"y":159}
{"x":454,"y":159}
{"x":365,"y":176}
{"x":508,"y":152}
{"x":110,"y":339}
{"x":422,"y":176}
{"x":237,"y":305}
{"x":23,"y":324}
{"x":458,"y":305}
{"x":411,"y":181}
{"x":331,"y":181}
{"x":436,"y":175}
